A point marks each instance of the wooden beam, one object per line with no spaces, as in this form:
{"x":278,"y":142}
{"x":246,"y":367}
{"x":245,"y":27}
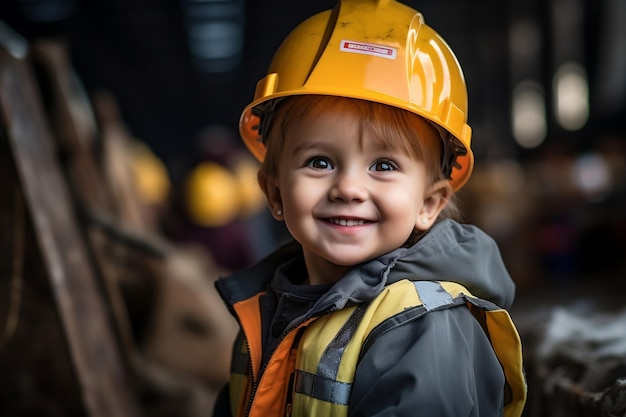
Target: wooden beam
{"x":85,"y":315}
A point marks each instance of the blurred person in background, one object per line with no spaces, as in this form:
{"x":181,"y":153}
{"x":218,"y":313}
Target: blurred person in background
{"x":217,"y":204}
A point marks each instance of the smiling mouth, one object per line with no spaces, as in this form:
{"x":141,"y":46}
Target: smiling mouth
{"x":347,"y":222}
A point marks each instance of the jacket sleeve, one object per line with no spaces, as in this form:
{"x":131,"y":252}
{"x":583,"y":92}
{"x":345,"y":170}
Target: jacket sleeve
{"x":440,"y":365}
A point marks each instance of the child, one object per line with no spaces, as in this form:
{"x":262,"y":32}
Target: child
{"x":383,"y":305}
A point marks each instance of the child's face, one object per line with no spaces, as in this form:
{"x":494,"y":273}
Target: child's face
{"x":344,"y":199}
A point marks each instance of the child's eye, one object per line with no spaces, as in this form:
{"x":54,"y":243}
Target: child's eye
{"x":319,"y":163}
{"x":384,"y":165}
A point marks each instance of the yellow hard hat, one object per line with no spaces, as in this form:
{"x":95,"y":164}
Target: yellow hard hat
{"x":211,"y":195}
{"x":376,"y":50}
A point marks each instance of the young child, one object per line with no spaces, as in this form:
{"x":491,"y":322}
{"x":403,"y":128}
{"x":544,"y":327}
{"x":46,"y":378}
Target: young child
{"x":383,"y":305}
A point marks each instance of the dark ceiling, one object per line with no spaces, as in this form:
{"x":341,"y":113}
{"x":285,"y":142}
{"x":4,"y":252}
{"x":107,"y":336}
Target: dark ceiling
{"x":139,"y":50}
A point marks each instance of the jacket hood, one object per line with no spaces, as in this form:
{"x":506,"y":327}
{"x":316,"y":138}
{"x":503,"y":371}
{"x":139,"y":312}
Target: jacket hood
{"x":460,"y":253}
{"x":448,"y":252}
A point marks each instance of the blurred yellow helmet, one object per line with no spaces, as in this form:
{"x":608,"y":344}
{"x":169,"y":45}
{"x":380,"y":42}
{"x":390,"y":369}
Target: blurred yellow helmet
{"x":211,"y":195}
{"x":376,"y":50}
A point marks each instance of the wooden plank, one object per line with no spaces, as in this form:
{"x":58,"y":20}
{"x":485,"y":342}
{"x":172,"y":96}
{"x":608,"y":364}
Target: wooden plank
{"x":73,"y":129}
{"x":32,"y":345}
{"x":104,"y":381}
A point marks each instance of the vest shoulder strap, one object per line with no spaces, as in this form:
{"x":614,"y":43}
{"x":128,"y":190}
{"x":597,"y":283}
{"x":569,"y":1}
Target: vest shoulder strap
{"x":495,"y":321}
{"x":324,"y":379}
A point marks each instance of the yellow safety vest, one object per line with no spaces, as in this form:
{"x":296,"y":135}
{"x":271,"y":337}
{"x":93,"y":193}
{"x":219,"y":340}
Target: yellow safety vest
{"x":313,"y":372}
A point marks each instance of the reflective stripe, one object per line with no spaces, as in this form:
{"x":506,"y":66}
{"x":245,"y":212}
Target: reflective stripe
{"x":321,"y":388}
{"x":323,"y":385}
{"x":329,"y":362}
{"x":432,"y":294}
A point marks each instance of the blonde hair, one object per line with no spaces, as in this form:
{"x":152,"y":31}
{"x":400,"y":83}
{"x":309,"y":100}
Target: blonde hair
{"x":390,"y":127}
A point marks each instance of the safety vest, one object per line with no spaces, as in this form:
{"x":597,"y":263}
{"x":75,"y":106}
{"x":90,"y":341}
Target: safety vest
{"x":312,"y":371}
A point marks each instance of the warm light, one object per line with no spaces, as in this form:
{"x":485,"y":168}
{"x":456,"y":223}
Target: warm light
{"x":507,"y":176}
{"x":529,"y":114}
{"x":592,"y":176}
{"x":571,"y":93}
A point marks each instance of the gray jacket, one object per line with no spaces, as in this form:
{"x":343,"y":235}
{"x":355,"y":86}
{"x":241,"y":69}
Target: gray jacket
{"x":439,"y":365}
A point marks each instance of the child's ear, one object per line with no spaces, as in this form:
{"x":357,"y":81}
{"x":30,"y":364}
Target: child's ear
{"x":435,"y":200}
{"x":272,"y":195}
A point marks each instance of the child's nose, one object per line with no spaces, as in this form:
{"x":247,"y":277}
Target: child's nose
{"x":348,"y":186}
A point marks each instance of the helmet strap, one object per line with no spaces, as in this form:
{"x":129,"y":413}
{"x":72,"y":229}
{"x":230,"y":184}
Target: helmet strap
{"x":265,"y":113}
{"x":452,"y":149}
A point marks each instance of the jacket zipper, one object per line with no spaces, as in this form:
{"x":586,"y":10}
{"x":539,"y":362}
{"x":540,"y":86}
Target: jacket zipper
{"x":255,"y":383}
{"x":290,"y":386}
{"x":289,"y":400}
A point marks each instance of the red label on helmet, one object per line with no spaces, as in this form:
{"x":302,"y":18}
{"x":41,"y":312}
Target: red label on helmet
{"x":368,"y":49}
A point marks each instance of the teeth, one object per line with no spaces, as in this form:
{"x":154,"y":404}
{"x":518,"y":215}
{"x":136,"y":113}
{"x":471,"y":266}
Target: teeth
{"x":349,"y":223}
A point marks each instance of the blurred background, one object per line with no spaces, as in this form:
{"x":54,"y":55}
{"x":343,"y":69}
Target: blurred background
{"x":546,"y":85}
{"x":547,"y":91}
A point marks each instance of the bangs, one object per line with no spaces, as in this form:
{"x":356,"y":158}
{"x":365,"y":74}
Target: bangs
{"x":389,"y":127}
